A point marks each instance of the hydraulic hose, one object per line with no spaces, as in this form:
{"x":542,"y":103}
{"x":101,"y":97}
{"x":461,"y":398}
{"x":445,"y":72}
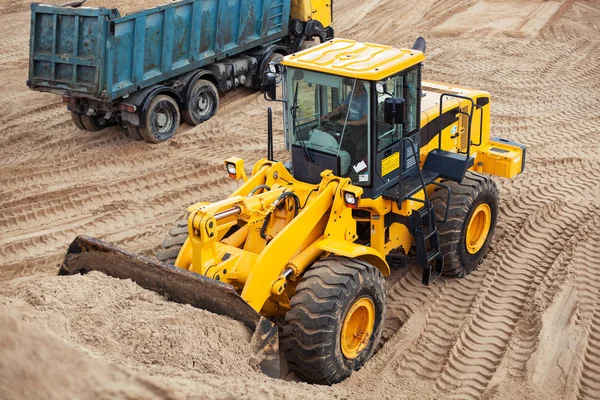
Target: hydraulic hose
{"x":281,"y":198}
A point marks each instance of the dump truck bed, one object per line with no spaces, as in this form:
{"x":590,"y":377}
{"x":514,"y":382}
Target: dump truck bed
{"x":97,"y":53}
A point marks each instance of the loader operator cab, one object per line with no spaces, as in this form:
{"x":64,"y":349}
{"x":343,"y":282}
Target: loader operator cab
{"x":335,"y":112}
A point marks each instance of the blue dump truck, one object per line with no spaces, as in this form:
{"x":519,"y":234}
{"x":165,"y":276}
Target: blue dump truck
{"x":151,"y":69}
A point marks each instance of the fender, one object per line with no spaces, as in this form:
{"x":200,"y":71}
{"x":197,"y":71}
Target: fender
{"x":269,"y":50}
{"x":141,"y":100}
{"x":353,"y":250}
{"x":315,"y":28}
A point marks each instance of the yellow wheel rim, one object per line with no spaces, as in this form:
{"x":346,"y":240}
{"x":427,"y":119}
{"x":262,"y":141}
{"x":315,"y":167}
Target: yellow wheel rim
{"x":357,"y":327}
{"x":478,"y":228}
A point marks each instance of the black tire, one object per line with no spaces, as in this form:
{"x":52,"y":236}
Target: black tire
{"x":134,"y":132}
{"x":467,"y":196}
{"x":274,"y":57}
{"x":93,"y":123}
{"x":312,"y":335}
{"x":202,"y":103}
{"x":162,"y":119}
{"x":307,"y":44}
{"x":76,"y":117}
{"x":171,"y":246}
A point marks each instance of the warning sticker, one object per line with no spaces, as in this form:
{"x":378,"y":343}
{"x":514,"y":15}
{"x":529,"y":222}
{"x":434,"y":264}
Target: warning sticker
{"x":390,"y":164}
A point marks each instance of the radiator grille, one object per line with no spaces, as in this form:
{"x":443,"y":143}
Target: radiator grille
{"x":409,"y":157}
{"x":463,"y":128}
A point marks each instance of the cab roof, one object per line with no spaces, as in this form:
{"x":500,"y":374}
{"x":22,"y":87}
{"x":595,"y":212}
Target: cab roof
{"x":354,"y":59}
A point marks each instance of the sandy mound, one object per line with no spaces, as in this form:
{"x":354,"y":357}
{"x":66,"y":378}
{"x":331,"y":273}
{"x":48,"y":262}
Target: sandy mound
{"x":35,"y":364}
{"x":127,"y":7}
{"x":130,"y":325}
{"x":137,"y":342}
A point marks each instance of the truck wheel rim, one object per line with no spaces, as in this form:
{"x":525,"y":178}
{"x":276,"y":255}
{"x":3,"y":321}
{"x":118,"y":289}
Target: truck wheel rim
{"x":478,"y":228}
{"x":204,"y":104}
{"x":357,"y":327}
{"x":163,"y":120}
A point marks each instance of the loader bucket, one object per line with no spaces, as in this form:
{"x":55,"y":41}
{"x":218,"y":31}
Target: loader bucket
{"x":87,"y":254}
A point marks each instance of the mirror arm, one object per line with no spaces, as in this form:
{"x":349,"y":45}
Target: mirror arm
{"x":277,"y":100}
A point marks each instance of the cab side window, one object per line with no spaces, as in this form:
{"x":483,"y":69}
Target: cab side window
{"x":388,"y":134}
{"x":412,"y":97}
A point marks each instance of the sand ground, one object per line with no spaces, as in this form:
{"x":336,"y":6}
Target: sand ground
{"x":526,"y":324}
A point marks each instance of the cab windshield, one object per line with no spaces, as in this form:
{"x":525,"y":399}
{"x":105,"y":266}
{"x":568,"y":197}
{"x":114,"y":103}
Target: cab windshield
{"x":330,"y":114}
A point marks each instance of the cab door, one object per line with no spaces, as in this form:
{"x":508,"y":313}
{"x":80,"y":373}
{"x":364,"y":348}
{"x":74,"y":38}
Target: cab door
{"x":319,"y":10}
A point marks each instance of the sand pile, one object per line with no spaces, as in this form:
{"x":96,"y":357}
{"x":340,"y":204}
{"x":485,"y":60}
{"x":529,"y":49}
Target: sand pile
{"x":96,"y":328}
{"x":130,"y":325}
{"x":36,"y":364}
{"x":127,"y":6}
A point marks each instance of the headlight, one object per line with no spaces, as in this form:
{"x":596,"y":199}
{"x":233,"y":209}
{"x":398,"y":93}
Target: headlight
{"x":231,"y":169}
{"x":350,"y":199}
{"x":272,"y":68}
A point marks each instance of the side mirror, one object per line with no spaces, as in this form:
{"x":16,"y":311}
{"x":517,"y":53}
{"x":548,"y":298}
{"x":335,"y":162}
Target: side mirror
{"x":269,"y":85}
{"x":393,"y":111}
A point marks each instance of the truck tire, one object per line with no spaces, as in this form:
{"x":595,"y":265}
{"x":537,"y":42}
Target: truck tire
{"x":76,"y":117}
{"x":134,"y":132}
{"x":472,"y":214}
{"x":93,"y":123}
{"x":202,"y":103}
{"x":162,"y":119}
{"x":171,"y":246}
{"x":335,"y":321}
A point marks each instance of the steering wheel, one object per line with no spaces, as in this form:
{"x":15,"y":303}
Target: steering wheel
{"x":332,"y":126}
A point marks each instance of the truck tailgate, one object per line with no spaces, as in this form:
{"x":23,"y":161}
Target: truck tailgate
{"x":67,"y":48}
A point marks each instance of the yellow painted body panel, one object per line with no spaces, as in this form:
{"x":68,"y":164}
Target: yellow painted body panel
{"x":500,"y":159}
{"x":354,"y":59}
{"x":306,"y":10}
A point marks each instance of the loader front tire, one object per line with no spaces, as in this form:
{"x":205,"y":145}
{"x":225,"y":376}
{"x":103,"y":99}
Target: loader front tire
{"x":335,"y":321}
{"x":472,"y":214}
{"x":171,"y":246}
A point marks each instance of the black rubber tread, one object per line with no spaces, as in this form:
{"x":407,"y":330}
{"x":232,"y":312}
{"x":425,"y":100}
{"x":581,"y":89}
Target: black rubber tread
{"x":93,"y":123}
{"x":311,"y":334}
{"x":134,"y":132}
{"x":307,"y":44}
{"x":188,"y":115}
{"x":466,"y":196}
{"x":76,"y":117}
{"x":172,"y":244}
{"x":148,"y":132}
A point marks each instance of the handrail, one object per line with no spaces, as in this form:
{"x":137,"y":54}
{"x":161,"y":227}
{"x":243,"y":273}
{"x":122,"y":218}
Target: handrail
{"x":417,"y":162}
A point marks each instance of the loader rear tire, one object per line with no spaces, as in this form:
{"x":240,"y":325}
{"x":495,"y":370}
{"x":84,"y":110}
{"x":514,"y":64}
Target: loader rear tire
{"x":171,"y":246}
{"x":76,"y":117}
{"x":473,"y":209}
{"x":335,"y":321}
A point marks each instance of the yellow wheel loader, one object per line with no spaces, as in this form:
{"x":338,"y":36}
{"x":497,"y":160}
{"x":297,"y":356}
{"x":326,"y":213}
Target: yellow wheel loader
{"x":383,"y":167}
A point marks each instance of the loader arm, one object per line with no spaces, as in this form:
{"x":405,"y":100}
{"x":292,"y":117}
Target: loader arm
{"x":260,"y":283}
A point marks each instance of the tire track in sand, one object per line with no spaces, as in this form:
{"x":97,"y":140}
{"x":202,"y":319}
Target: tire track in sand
{"x":483,"y":343}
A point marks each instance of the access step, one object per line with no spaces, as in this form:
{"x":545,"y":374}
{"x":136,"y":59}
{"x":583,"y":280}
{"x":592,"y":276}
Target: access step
{"x":409,"y":187}
{"x":447,"y":165}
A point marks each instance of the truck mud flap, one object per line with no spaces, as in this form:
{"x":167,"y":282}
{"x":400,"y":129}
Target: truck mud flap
{"x":87,"y":254}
